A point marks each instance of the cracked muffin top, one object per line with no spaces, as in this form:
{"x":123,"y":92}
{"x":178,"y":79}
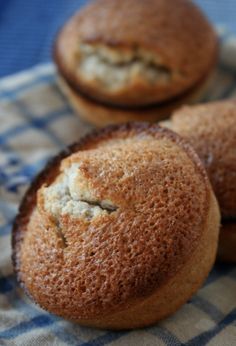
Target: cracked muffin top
{"x":211,"y":129}
{"x":110,"y":220}
{"x":135,"y":52}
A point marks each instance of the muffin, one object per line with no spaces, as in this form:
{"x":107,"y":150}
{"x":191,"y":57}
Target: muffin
{"x":123,"y":60}
{"x":211,"y":129}
{"x":119,"y":230}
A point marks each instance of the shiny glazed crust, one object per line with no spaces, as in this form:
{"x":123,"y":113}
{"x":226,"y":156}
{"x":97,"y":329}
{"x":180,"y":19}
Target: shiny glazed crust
{"x":42,"y":261}
{"x":176,"y":35}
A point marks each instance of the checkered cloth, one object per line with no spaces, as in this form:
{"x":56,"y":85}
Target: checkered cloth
{"x":35,"y":122}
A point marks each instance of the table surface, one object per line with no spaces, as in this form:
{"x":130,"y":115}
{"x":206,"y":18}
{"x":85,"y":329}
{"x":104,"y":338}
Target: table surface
{"x":27,"y":27}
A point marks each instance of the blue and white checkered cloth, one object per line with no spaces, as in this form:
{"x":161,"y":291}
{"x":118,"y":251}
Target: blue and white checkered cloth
{"x":35,"y":122}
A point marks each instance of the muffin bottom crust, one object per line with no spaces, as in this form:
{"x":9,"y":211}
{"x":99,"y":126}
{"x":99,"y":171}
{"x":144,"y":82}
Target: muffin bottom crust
{"x":101,"y":115}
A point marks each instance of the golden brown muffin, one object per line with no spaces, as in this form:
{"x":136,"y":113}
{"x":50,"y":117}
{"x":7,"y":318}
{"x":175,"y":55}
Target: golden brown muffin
{"x":161,"y":53}
{"x":119,"y":230}
{"x":211,"y":129}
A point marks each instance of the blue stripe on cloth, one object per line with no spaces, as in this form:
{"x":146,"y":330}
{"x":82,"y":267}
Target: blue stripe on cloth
{"x":38,"y":124}
{"x":10,"y":95}
{"x":57,"y":90}
{"x":211,"y":310}
{"x":43,"y":123}
{"x":66,"y":335}
{"x":11,"y":157}
{"x":16,"y":302}
{"x":104,"y":339}
{"x":29,"y":310}
{"x":5,"y":285}
{"x":9,"y":289}
{"x":205,"y":337}
{"x":8,"y":210}
{"x":167,"y":337}
{"x":28,"y":171}
{"x":21,"y":176}
{"x":5,"y":136}
{"x":5,"y":229}
{"x":40,"y":321}
{"x":63,"y":333}
{"x":219,"y":270}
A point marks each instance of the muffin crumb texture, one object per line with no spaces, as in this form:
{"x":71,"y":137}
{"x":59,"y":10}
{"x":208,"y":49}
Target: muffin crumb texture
{"x":116,"y":68}
{"x":70,"y":195}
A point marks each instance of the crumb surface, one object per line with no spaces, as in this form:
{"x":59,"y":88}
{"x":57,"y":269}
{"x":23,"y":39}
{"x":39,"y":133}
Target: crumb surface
{"x":115,"y":68}
{"x":70,"y":195}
